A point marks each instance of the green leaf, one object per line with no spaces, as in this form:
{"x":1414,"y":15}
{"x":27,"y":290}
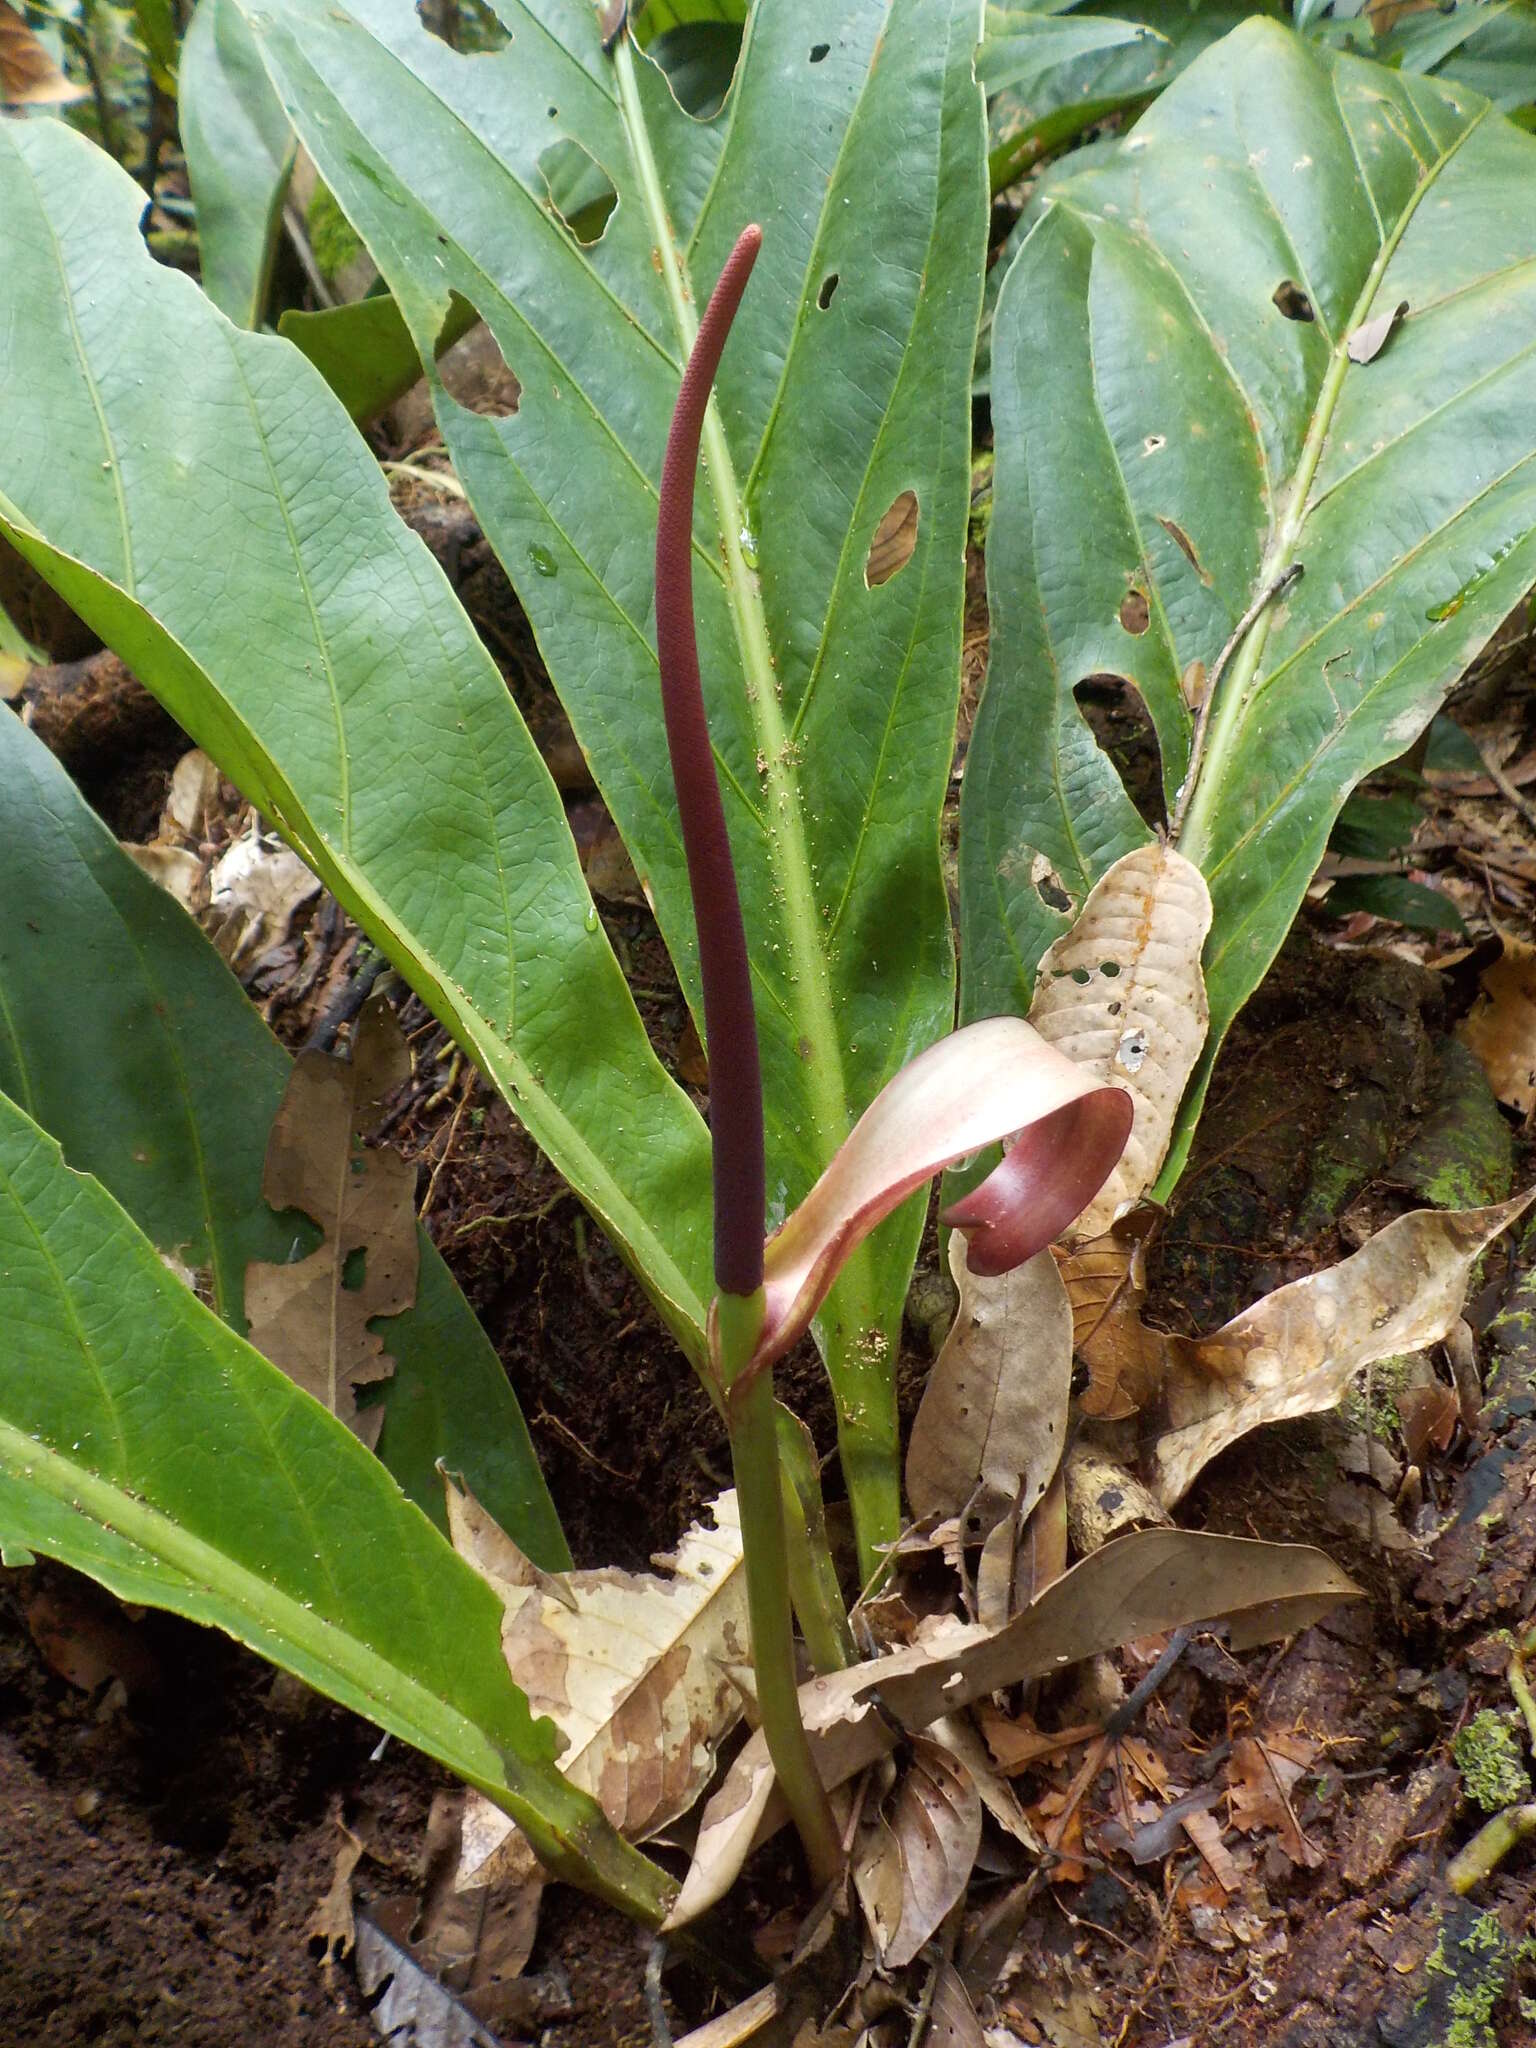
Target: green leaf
{"x":1395,"y":897}
{"x":159,"y":33}
{"x":124,"y":1035}
{"x":239,"y":149}
{"x":1489,"y":45}
{"x":199,"y":496}
{"x":1021,"y":45}
{"x":846,"y":383}
{"x":1057,"y":103}
{"x":364,"y":351}
{"x":1168,"y":426}
{"x":144,"y":1443}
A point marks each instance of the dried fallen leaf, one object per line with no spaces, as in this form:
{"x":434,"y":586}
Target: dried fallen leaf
{"x":1429,"y":1415}
{"x":1372,"y":336}
{"x":952,"y":2021}
{"x":1500,"y":1028}
{"x":642,"y":1674}
{"x":913,"y":1859}
{"x":1104,"y":1500}
{"x":332,"y":1922}
{"x":1205,"y":1833}
{"x":1262,"y":1773}
{"x":255,"y":889}
{"x":406,"y":2003}
{"x":1138,"y":1585}
{"x":1296,"y":1351}
{"x":1122,"y":994}
{"x":1105,"y":1279}
{"x":312,"y":1318}
{"x":28,"y":75}
{"x":993,"y":1419}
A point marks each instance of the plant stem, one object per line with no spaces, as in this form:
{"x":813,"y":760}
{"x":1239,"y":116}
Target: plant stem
{"x":750,"y":1417}
{"x":813,"y":1587}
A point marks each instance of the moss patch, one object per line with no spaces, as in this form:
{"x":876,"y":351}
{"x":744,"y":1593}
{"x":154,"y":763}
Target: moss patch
{"x":1491,"y":1762}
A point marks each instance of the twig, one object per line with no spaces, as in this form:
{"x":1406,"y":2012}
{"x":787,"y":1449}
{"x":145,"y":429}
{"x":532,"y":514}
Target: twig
{"x":1489,"y":1846}
{"x":1238,"y":635}
{"x":345,"y":1006}
{"x":661,"y":2031}
{"x":298,"y":237}
{"x":453,"y":1131}
{"x":1117,"y":1723}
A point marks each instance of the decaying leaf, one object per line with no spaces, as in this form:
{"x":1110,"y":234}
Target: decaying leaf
{"x":952,"y":2021}
{"x":1105,"y":1279}
{"x":1122,"y":994}
{"x":312,"y":1318}
{"x":1104,"y":1500}
{"x":408,"y":2004}
{"x":1138,"y":1585}
{"x":1262,"y":1773}
{"x":1500,"y":1028}
{"x":173,"y":858}
{"x":477,"y":1940}
{"x":28,"y":75}
{"x":1372,"y":336}
{"x":255,"y":889}
{"x":989,"y":1432}
{"x":332,"y":1921}
{"x":1429,"y":1415}
{"x":913,"y":1859}
{"x":1296,"y":1351}
{"x":643,"y":1674}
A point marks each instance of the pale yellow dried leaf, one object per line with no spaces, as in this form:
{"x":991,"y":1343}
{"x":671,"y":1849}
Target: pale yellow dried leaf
{"x":1122,"y":994}
{"x":643,"y":1675}
{"x":28,"y":75}
{"x":1297,"y":1351}
{"x":914,"y":1858}
{"x":255,"y":889}
{"x":1500,"y":1028}
{"x":304,"y":1316}
{"x":989,"y":1431}
{"x":1152,"y":1580}
{"x":193,"y":797}
{"x":1104,"y":1500}
{"x":177,"y":869}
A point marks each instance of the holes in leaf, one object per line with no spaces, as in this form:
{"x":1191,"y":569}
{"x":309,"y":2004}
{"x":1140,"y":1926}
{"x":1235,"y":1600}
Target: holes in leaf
{"x":818,"y":51}
{"x":471,"y":367}
{"x":468,"y":26}
{"x":1049,"y":886}
{"x":1293,"y":301}
{"x":354,"y":1268}
{"x":828,"y":287}
{"x":1110,"y":968}
{"x":1153,"y":442}
{"x":580,"y":191}
{"x":1135,"y":611}
{"x":895,"y":538}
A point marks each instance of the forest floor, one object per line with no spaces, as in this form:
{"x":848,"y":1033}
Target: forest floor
{"x":174,"y":1811}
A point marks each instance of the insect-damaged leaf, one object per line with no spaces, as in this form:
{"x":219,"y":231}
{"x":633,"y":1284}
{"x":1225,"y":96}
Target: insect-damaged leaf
{"x":989,"y":1432}
{"x":312,"y":1318}
{"x":914,"y":1857}
{"x":1151,"y":1580}
{"x":1146,"y":384}
{"x":1122,"y":994}
{"x":1297,"y":1350}
{"x":643,"y":1674}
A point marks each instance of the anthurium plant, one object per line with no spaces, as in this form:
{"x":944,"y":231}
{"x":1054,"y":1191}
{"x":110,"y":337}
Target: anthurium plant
{"x":1201,"y":419}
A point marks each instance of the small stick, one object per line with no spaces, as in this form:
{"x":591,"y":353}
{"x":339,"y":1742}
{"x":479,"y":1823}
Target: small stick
{"x":1239,"y":634}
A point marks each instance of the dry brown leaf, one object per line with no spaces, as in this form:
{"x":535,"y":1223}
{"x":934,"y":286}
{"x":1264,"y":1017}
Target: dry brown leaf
{"x":914,"y":1858}
{"x":1104,"y":1500}
{"x":28,"y":75}
{"x":894,"y":540}
{"x":1122,"y":994}
{"x":177,"y":869}
{"x":1205,"y":1833}
{"x":643,"y":1675}
{"x":1500,"y":1028}
{"x":1105,"y":1279}
{"x":1429,"y":1416}
{"x":254,"y":891}
{"x":1262,"y":1773}
{"x":952,"y":2021}
{"x":312,"y":1318}
{"x":1138,"y":1585}
{"x":332,"y":1922}
{"x":1296,"y":1351}
{"x":993,"y":1419}
{"x":476,"y":1941}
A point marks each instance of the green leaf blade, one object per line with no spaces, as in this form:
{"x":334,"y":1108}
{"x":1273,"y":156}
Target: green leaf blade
{"x":198,"y":495}
{"x":143,"y":1442}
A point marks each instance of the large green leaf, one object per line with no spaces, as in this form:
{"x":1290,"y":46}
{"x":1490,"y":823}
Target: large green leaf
{"x":124,"y":1035}
{"x":143,"y":1442}
{"x":860,"y":149}
{"x":200,"y":497}
{"x":239,"y":150}
{"x":1165,"y":427}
